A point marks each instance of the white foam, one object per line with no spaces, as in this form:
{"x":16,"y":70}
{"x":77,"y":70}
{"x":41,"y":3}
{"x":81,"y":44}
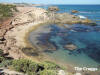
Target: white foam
{"x":82,"y":17}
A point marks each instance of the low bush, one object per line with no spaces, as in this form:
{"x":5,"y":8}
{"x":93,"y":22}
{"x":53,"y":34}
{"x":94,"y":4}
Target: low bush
{"x":1,"y":52}
{"x":50,"y":65}
{"x":32,"y":68}
{"x":7,"y":10}
{"x":5,"y":63}
{"x":26,"y":66}
{"x":48,"y":72}
{"x":1,"y":56}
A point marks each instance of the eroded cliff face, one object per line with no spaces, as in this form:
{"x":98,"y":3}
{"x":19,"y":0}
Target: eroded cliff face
{"x":11,"y":38}
{"x":32,"y":15}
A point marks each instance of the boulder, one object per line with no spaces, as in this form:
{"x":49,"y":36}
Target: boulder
{"x":5,"y":71}
{"x":70,"y":47}
{"x":74,"y":11}
{"x":61,"y":72}
{"x":78,"y":74}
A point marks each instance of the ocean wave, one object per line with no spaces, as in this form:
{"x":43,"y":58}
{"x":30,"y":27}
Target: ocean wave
{"x":89,"y":12}
{"x":82,"y":17}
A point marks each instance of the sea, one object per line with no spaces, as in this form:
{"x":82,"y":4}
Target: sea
{"x":85,"y":37}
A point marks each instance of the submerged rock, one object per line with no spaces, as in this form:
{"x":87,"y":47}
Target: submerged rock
{"x":92,"y":50}
{"x":70,"y":47}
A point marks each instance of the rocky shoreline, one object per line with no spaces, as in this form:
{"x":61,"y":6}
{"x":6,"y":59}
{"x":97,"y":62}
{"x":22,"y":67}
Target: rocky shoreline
{"x":12,"y":36}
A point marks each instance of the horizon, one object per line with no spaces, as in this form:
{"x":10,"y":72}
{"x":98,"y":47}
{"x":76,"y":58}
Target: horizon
{"x":54,"y":2}
{"x":46,"y":4}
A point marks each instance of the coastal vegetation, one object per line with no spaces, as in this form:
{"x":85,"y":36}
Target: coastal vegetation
{"x":28,"y":66}
{"x":4,"y":61}
{"x":33,"y":68}
{"x":6,"y":11}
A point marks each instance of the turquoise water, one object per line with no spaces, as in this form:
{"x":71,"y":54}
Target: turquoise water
{"x":86,"y":38}
{"x":88,"y":46}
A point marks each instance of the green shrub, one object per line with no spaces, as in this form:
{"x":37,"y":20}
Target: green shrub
{"x":31,"y":73}
{"x":1,"y":52}
{"x":26,"y":66}
{"x":31,"y":68}
{"x":48,"y":72}
{"x":1,"y":59}
{"x":1,"y":56}
{"x":50,"y":65}
{"x":6,"y":11}
{"x":5,"y":63}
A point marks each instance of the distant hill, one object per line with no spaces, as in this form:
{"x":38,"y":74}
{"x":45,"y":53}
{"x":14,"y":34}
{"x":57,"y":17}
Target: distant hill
{"x":23,"y":4}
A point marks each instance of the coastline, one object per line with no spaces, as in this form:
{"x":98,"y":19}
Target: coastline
{"x":30,"y":18}
{"x":19,"y":26}
{"x":16,"y":38}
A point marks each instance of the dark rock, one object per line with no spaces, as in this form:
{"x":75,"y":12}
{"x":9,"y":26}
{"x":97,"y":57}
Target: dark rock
{"x":74,"y":11}
{"x":93,"y":24}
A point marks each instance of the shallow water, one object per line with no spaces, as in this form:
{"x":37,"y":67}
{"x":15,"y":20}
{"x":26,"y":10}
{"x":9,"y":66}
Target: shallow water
{"x":87,"y":42}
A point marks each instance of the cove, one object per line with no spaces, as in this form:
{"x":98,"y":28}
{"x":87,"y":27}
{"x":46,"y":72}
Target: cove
{"x":52,"y":39}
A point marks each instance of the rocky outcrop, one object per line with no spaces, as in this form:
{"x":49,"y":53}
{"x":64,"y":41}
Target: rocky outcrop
{"x":37,"y":14}
{"x":4,"y":71}
{"x":12,"y":35}
{"x":74,"y":11}
{"x":66,"y":18}
{"x":53,"y":8}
